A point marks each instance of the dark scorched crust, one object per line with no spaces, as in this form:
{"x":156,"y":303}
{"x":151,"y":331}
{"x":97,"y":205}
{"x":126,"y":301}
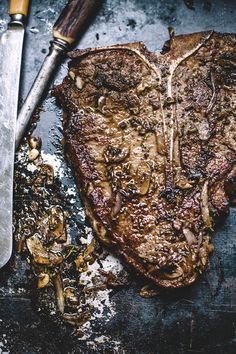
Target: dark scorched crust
{"x":152,"y":141}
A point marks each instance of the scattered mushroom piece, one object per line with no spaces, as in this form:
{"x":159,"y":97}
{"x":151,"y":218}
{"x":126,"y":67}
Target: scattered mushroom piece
{"x":43,"y":280}
{"x":33,"y":154}
{"x":79,"y":262}
{"x":59,"y":292}
{"x":40,"y":254}
{"x":70,"y":295}
{"x":57,"y":225}
{"x":72,"y":74}
{"x":36,"y":249}
{"x":35,"y":142}
{"x":79,"y":82}
{"x":89,"y":250}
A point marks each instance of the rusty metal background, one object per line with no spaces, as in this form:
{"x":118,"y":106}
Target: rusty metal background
{"x":198,"y":319}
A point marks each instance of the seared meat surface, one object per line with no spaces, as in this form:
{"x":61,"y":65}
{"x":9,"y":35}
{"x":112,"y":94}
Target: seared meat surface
{"x":152,"y":142}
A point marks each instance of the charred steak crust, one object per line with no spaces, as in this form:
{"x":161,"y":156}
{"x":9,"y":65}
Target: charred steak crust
{"x":152,"y":141}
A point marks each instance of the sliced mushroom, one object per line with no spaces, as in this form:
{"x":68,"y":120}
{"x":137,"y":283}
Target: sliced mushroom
{"x":59,"y":292}
{"x":35,"y":142}
{"x":33,"y":154}
{"x":57,"y":225}
{"x":43,"y":280}
{"x":79,"y":263}
{"x":36,"y":249}
{"x":89,"y":250}
{"x":40,"y":254}
{"x":79,"y":82}
{"x":72,"y":74}
{"x":190,"y":237}
{"x":70,"y":294}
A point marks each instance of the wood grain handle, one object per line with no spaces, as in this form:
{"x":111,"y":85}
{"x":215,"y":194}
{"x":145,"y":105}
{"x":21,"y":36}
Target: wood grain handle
{"x":18,"y":7}
{"x":73,"y":18}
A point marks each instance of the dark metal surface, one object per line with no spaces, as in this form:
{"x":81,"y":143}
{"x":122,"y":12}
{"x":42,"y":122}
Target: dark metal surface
{"x":198,"y":319}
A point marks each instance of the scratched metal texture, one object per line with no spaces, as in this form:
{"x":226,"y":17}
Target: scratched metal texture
{"x":198,"y":319}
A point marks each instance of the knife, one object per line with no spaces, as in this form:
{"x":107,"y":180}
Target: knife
{"x":11,"y":43}
{"x":65,"y":31}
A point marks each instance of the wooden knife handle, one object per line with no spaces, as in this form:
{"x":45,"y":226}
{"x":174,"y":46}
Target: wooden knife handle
{"x":73,"y":18}
{"x":18,"y":7}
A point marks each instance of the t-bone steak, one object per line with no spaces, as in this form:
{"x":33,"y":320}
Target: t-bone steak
{"x":152,"y":142}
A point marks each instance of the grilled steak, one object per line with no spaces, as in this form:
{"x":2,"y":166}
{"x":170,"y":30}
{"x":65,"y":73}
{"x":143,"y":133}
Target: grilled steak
{"x":152,"y":142}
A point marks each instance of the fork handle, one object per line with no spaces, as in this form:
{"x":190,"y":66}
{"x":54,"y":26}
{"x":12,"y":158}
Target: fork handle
{"x":73,"y":18}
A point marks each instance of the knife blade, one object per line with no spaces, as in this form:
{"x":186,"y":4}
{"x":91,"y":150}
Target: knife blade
{"x":65,"y":31}
{"x":11,"y":43}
